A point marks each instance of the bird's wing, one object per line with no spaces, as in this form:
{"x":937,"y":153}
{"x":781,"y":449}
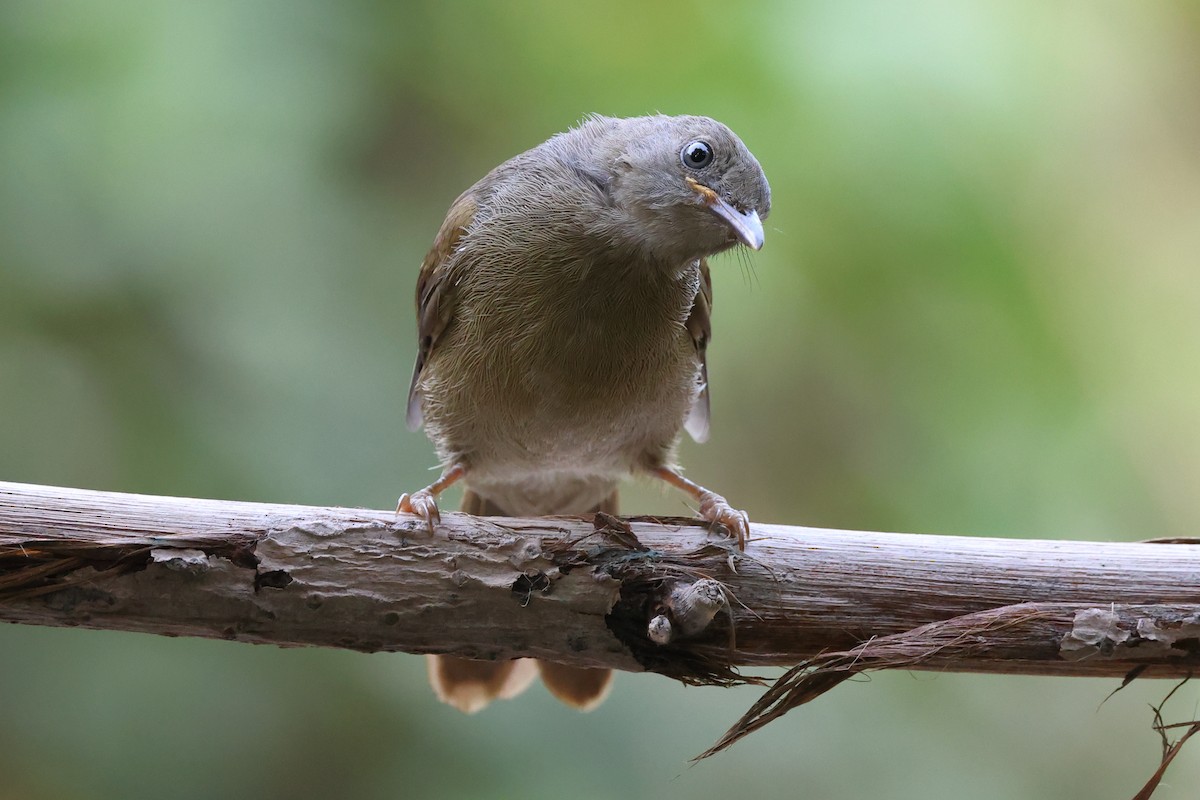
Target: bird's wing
{"x":699,"y":325}
{"x":435,"y":296}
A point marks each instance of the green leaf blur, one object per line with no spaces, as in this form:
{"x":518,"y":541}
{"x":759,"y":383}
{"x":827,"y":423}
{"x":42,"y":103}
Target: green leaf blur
{"x":977,"y":312}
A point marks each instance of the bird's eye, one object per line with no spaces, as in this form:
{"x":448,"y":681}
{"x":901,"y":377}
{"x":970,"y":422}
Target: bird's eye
{"x":696,"y":155}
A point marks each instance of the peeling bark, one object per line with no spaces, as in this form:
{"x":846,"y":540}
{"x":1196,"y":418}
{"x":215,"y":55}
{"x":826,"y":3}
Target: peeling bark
{"x":592,"y":592}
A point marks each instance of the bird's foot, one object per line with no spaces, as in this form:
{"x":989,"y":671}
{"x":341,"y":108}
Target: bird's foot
{"x":423,"y":504}
{"x":714,"y":508}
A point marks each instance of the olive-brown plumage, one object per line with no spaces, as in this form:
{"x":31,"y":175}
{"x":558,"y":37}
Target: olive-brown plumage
{"x":563,"y":315}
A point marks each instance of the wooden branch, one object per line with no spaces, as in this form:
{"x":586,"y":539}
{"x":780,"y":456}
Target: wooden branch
{"x":665,"y":595}
{"x":632,"y":596}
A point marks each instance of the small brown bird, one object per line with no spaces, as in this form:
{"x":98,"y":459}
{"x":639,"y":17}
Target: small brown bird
{"x":563,"y":315}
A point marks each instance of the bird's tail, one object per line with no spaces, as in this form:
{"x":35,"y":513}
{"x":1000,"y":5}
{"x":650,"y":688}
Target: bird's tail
{"x":470,"y":685}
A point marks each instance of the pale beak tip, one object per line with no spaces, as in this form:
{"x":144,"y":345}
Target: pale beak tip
{"x":746,"y":225}
{"x":751,"y":231}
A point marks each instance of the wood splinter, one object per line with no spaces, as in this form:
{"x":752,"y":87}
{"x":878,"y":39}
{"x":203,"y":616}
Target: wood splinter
{"x":687,"y":610}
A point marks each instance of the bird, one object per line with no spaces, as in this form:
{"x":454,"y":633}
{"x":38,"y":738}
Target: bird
{"x":563,"y":318}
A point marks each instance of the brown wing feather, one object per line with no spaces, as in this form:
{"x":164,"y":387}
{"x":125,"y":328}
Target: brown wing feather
{"x":435,"y":301}
{"x":699,"y":325}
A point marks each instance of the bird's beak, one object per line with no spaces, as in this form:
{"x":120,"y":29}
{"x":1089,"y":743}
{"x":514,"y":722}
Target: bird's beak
{"x":746,"y":224}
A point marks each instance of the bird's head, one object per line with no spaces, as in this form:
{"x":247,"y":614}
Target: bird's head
{"x":683,"y":187}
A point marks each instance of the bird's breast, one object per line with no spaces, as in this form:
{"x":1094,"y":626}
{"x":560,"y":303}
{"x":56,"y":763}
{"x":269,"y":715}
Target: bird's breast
{"x":585,"y":369}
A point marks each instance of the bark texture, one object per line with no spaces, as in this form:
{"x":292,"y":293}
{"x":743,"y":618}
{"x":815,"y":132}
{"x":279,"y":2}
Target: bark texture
{"x":636,"y":594}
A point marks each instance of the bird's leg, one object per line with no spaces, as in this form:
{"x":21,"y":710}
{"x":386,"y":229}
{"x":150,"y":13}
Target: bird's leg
{"x":713,"y":507}
{"x":423,"y":502}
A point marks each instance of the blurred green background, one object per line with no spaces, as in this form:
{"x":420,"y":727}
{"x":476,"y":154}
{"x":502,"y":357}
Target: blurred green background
{"x":978,"y":312}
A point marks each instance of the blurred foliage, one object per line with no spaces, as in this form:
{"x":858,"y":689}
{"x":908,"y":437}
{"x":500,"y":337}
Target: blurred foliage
{"x":978,"y":312}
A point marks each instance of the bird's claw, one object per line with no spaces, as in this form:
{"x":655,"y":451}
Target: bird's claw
{"x":423,"y":504}
{"x":714,"y":508}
